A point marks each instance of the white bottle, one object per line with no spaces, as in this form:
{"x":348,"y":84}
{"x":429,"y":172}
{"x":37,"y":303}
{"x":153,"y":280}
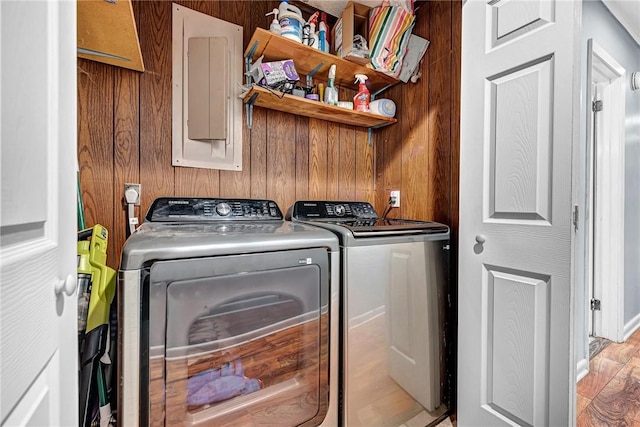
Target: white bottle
{"x":275,"y":24}
{"x":313,"y":37}
{"x":290,"y":21}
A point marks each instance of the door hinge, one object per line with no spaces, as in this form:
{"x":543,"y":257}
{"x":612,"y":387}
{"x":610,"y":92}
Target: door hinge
{"x":595,"y":304}
{"x":575,"y":217}
{"x":596,"y":106}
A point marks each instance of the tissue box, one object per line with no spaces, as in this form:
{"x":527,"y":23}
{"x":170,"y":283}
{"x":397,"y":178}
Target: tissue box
{"x":277,"y":72}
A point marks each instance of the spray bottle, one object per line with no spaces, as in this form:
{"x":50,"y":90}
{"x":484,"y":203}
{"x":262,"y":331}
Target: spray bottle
{"x":275,"y":24}
{"x":361,"y":100}
{"x":323,"y":33}
{"x":331,"y":93}
{"x":313,"y":36}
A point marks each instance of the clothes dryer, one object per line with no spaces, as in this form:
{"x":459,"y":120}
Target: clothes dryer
{"x":394,"y":283}
{"x":225,"y":317}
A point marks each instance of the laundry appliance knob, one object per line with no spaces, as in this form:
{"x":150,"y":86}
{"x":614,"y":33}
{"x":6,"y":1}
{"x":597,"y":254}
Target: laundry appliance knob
{"x":223,"y":209}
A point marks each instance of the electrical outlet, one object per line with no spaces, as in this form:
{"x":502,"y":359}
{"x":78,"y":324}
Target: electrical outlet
{"x":395,"y":198}
{"x":132,"y":193}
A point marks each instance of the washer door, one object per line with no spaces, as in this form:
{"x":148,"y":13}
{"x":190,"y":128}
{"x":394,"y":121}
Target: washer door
{"x":245,"y":339}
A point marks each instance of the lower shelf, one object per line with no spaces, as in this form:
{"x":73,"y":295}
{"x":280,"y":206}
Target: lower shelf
{"x":274,"y":100}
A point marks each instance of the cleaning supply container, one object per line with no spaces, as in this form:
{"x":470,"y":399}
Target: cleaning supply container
{"x":290,"y":21}
{"x":361,"y":100}
{"x":383,"y":107}
{"x":331,"y":93}
{"x":275,"y":24}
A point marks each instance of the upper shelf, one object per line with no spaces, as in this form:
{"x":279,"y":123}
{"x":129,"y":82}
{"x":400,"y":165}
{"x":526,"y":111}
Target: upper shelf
{"x":307,"y":59}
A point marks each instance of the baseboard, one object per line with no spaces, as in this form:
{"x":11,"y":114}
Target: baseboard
{"x":582,"y":369}
{"x":631,"y":327}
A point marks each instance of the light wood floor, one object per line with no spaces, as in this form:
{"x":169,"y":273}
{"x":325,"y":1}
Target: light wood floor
{"x":610,"y":393}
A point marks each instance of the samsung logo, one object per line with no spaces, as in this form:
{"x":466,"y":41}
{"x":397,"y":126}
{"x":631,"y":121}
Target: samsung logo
{"x":178,"y":202}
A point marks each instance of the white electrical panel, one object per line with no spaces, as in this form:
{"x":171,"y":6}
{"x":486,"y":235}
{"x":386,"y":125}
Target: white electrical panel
{"x":207,"y":76}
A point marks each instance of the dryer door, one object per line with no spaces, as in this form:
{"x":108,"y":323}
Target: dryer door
{"x":245,"y":339}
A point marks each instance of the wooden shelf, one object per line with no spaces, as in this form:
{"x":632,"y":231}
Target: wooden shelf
{"x":306,"y":59}
{"x":304,"y":107}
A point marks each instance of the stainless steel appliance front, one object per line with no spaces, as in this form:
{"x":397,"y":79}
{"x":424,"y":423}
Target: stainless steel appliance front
{"x":394,"y":285}
{"x":228,"y":324}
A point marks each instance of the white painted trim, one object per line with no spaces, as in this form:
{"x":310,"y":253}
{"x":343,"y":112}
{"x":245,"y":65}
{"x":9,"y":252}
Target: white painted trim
{"x":631,"y":327}
{"x":607,"y":218}
{"x":582,"y":369}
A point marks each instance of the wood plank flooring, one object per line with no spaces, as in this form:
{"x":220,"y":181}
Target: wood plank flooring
{"x":610,"y":394}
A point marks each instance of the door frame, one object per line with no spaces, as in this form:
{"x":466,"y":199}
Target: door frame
{"x":604,"y":222}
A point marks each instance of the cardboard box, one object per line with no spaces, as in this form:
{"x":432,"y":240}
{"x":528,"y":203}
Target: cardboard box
{"x":354,"y":20}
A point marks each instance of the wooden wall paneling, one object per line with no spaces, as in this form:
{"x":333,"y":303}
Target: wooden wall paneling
{"x":347,"y":164}
{"x":156,"y":172}
{"x":388,"y":142}
{"x":414,"y":192}
{"x":365,"y":166}
{"x":281,"y":164}
{"x":302,"y":158}
{"x":208,"y":7}
{"x":249,"y":15}
{"x":258,"y":146}
{"x":440,"y":113}
{"x":333,"y":161}
{"x":346,"y":173}
{"x":95,"y":146}
{"x":318,"y":159}
{"x":126,"y":149}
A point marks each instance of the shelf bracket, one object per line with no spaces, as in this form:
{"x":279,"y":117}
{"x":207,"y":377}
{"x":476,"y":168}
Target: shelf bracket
{"x":252,"y":51}
{"x":248,"y":82}
{"x":315,"y":70}
{"x":249,"y":107}
{"x":369,"y":133}
{"x":379,"y":91}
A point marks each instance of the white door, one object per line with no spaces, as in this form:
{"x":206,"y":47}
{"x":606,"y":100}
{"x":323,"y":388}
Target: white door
{"x":515,"y":361}
{"x":38,"y":305}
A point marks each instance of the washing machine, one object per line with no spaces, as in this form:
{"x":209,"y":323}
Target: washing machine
{"x":394,"y":282}
{"x":227,"y":316}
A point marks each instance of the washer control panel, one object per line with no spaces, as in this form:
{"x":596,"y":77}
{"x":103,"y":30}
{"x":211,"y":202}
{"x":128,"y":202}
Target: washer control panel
{"x":177,"y":209}
{"x":325,"y":210}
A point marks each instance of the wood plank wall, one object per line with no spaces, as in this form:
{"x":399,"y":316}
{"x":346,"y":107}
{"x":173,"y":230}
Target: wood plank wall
{"x":124,"y":135}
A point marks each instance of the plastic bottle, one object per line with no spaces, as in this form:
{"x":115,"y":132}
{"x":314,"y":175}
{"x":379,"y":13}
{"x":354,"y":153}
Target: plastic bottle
{"x":313,"y":37}
{"x":361,"y":100}
{"x":309,"y":35}
{"x":290,"y":21}
{"x":330,"y":92}
{"x":324,"y":35}
{"x":275,"y":24}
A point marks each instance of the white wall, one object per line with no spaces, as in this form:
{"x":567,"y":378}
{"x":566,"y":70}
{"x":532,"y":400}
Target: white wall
{"x":600,"y":25}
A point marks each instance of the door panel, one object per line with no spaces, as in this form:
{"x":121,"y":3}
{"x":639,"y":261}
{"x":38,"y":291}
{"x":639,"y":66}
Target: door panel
{"x":38,"y":325}
{"x":515,"y":365}
{"x":514,"y":19}
{"x":516,"y":312}
{"x":519,"y":124}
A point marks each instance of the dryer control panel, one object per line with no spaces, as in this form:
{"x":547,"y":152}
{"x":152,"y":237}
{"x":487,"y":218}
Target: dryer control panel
{"x":187,"y":209}
{"x":323,"y":210}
